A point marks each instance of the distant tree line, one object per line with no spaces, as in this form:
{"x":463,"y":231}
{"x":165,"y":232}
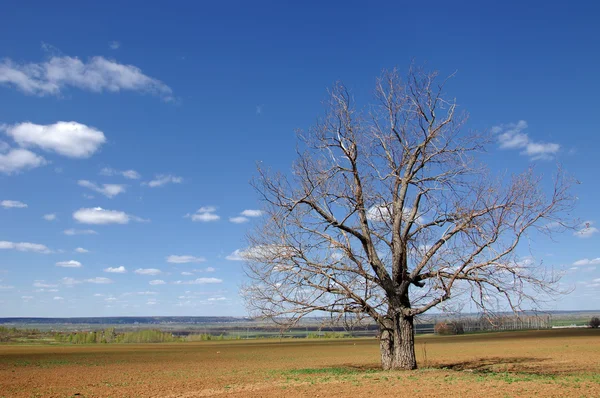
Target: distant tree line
{"x":109,"y":335}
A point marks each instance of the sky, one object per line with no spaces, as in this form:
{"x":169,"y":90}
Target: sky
{"x":129,"y":132}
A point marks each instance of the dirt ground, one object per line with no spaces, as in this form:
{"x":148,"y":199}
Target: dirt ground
{"x":554,"y":363}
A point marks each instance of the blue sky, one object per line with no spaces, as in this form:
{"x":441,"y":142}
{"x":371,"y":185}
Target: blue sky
{"x":157,"y":114}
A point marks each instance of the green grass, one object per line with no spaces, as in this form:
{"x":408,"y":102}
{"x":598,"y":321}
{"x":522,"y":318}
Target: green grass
{"x":322,"y":371}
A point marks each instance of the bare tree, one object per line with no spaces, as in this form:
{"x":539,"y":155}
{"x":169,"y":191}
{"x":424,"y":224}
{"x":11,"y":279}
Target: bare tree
{"x":388,"y":213}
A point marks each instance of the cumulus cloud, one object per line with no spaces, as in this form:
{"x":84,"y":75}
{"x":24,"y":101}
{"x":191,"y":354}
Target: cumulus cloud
{"x":100,"y":216}
{"x":24,"y":247}
{"x":114,"y":45}
{"x":586,"y":230}
{"x":108,"y":190}
{"x":43,"y":284}
{"x":12,"y":204}
{"x":237,"y":255}
{"x":261,"y":253}
{"x":185,"y":273}
{"x":71,"y":139}
{"x":129,"y":174}
{"x":69,"y":264}
{"x":204,"y":214}
{"x":220,"y":298}
{"x":79,"y":232}
{"x":157,"y":282}
{"x":50,"y":217}
{"x":97,"y":74}
{"x":199,"y":281}
{"x":116,"y":270}
{"x":244,"y":216}
{"x":251,"y":213}
{"x":81,"y":250}
{"x":148,"y":271}
{"x":175,"y":259}
{"x":163,"y":179}
{"x":587,"y":261}
{"x":99,"y":280}
{"x":16,"y":160}
{"x":512,"y":136}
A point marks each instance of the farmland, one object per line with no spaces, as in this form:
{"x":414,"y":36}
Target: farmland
{"x":509,"y":364}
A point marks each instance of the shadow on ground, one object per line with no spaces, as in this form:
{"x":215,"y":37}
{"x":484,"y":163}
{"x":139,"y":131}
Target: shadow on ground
{"x":496,"y":364}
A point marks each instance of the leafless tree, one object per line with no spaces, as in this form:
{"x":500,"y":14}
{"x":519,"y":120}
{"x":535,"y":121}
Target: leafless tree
{"x":389,"y":213}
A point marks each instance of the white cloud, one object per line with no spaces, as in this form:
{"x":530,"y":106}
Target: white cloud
{"x":147,"y":271}
{"x":187,"y":273}
{"x":157,"y":282}
{"x":243,"y":217}
{"x":24,"y":247}
{"x":69,"y":281}
{"x":81,"y":250}
{"x":116,"y":270}
{"x":586,"y":230}
{"x":383,"y":213}
{"x":217,"y":298}
{"x":69,"y":264}
{"x":6,"y":287}
{"x":174,"y":259}
{"x":586,"y":261}
{"x":162,"y":179}
{"x":20,"y":159}
{"x":258,"y":253}
{"x":511,"y":136}
{"x":204,"y":214}
{"x":27,"y":297}
{"x":237,"y":255}
{"x":98,"y":74}
{"x":239,"y":220}
{"x":69,"y":139}
{"x":79,"y":232}
{"x":108,"y":190}
{"x":209,"y":269}
{"x":199,"y":281}
{"x":50,"y":217}
{"x":129,"y":174}
{"x":100,"y":216}
{"x":43,"y":284}
{"x":114,"y":45}
{"x":12,"y":204}
{"x":46,"y":290}
{"x":205,"y":217}
{"x":252,"y":213}
{"x":99,"y":280}
{"x":58,"y":298}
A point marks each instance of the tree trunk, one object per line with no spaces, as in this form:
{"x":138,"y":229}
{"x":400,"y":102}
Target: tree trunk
{"x":397,"y":345}
{"x":386,"y":346}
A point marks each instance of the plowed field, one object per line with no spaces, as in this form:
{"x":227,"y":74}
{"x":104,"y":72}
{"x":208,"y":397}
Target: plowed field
{"x":554,"y":363}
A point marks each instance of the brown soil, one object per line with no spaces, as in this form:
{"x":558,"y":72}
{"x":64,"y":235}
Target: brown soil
{"x":556,"y":363}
